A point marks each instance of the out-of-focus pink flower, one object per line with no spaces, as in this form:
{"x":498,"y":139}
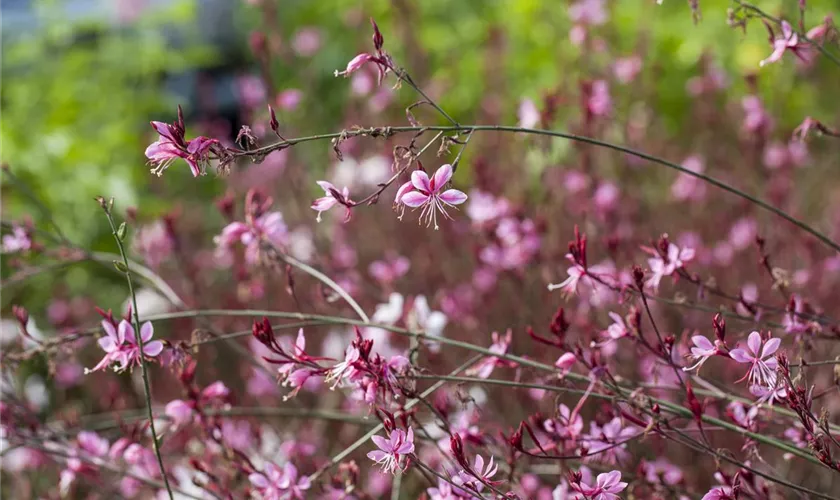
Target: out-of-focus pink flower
{"x":517,"y":243}
{"x":565,"y":425}
{"x":759,"y":355}
{"x":154,"y":242}
{"x":120,"y":345}
{"x":251,"y":91}
{"x":565,"y":362}
{"x":179,"y":411}
{"x":332,"y":198}
{"x":575,"y":181}
{"x":394,"y":450}
{"x":390,"y":269}
{"x":428,"y":193}
{"x":687,"y":187}
{"x":606,"y":197}
{"x":500,"y":345}
{"x":289,"y":99}
{"x":422,"y":317}
{"x":662,"y":471}
{"x":528,"y":114}
{"x":484,"y":207}
{"x":306,"y":42}
{"x":627,"y":68}
{"x":259,"y":225}
{"x":588,"y":12}
{"x":607,"y":443}
{"x":599,"y":102}
{"x":17,"y":241}
{"x":280,"y":484}
{"x":743,"y":233}
{"x":719,"y":493}
{"x":485,"y":473}
{"x":756,"y":119}
{"x":606,"y":487}
{"x":768,"y":395}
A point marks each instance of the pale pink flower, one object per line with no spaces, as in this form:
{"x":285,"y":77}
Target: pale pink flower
{"x":393,"y":451}
{"x":565,"y":362}
{"x":355,"y":64}
{"x":280,"y":484}
{"x":306,"y":42}
{"x":626,"y":69}
{"x":179,"y":411}
{"x":565,"y":425}
{"x":485,"y":473}
{"x":606,"y":443}
{"x":528,"y":114}
{"x":756,"y":119}
{"x":661,"y":470}
{"x":421,"y":317}
{"x":333,"y":197}
{"x":268,"y":226}
{"x":289,"y":99}
{"x":500,"y":345}
{"x":344,"y":370}
{"x":788,"y":41}
{"x":588,"y":12}
{"x":17,"y":241}
{"x":759,"y":355}
{"x":428,"y":193}
{"x":768,"y":394}
{"x":570,"y":285}
{"x":703,"y":349}
{"x":661,"y":267}
{"x":606,"y":487}
{"x":389,"y":269}
{"x":485,"y":208}
{"x":154,"y":242}
{"x":687,"y":187}
{"x":618,"y":329}
{"x":599,"y":102}
{"x":741,"y":415}
{"x":120,"y":345}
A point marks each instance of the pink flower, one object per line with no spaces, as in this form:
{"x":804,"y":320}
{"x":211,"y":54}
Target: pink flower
{"x":428,"y":193}
{"x":618,"y":329}
{"x":719,"y":493}
{"x":607,"y":486}
{"x":393,"y":450}
{"x":154,"y":242}
{"x":565,"y":362}
{"x":355,"y":64}
{"x":588,"y":12}
{"x":345,"y":369}
{"x":606,"y":443}
{"x":267,"y":226}
{"x":703,"y":349}
{"x":280,"y":484}
{"x":485,"y":367}
{"x":566,"y":425}
{"x":762,"y":363}
{"x":171,"y":145}
{"x":333,"y":197}
{"x":768,"y":394}
{"x":17,"y":241}
{"x":482,"y":472}
{"x":687,"y":187}
{"x":528,"y":114}
{"x":388,"y":270}
{"x":788,"y":41}
{"x":120,"y":345}
{"x":180,"y":412}
{"x":569,"y":285}
{"x":599,"y":102}
{"x":626,"y":69}
{"x":661,"y":267}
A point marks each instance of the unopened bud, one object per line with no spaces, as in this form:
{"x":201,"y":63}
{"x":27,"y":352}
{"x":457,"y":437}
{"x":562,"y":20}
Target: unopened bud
{"x":273,"y":123}
{"x":378,"y":41}
{"x":638,"y":276}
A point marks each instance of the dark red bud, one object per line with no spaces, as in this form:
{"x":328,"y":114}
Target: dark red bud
{"x":378,"y":40}
{"x":273,"y":123}
{"x":21,"y":314}
{"x":638,"y":277}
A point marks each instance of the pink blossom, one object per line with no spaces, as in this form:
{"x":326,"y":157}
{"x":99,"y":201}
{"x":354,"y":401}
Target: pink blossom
{"x":607,"y":443}
{"x":661,"y":267}
{"x":269,"y":226}
{"x":788,"y":41}
{"x":768,"y":394}
{"x":599,"y":102}
{"x":618,"y":329}
{"x":120,"y":345}
{"x":661,"y":470}
{"x":280,"y":484}
{"x":743,"y":232}
{"x":355,"y":64}
{"x":606,"y":487}
{"x":306,"y":42}
{"x":719,"y":493}
{"x":756,"y":119}
{"x":565,"y":425}
{"x":688,"y":187}
{"x":345,"y":369}
{"x":500,"y":345}
{"x":569,"y":286}
{"x":421,"y":317}
{"x":289,"y":99}
{"x":483,"y":474}
{"x":180,"y":412}
{"x":762,"y":362}
{"x":390,"y":269}
{"x":154,"y":242}
{"x":528,"y":114}
{"x":393,"y":451}
{"x":428,"y":193}
{"x":588,"y":12}
{"x":333,"y":197}
{"x":626,"y":69}
{"x":485,"y":208}
{"x":17,"y":241}
{"x":565,"y":362}
{"x":703,"y":349}
{"x":171,"y":145}
{"x":741,"y":415}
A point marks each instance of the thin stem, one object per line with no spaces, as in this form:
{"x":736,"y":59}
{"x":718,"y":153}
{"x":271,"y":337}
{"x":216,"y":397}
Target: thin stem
{"x":404,"y":76}
{"x":388,"y":131}
{"x":106,"y":206}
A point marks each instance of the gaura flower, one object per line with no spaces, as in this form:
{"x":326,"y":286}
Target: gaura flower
{"x":762,"y":362}
{"x":703,"y":349}
{"x":393,"y":450}
{"x":607,"y":486}
{"x":333,"y":197}
{"x":171,"y":145}
{"x":121,"y":347}
{"x":428,"y":193}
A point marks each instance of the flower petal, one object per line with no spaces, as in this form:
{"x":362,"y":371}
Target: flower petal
{"x":770,"y":347}
{"x":153,"y":348}
{"x":754,"y":343}
{"x":414,"y":199}
{"x":740,"y":355}
{"x":146,"y":331}
{"x":453,"y":197}
{"x":107,"y":344}
{"x":441,"y":177}
{"x":420,"y":180}
{"x":125,"y":332}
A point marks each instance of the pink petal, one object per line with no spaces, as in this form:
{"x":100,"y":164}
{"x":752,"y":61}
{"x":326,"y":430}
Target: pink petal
{"x":381,"y":443}
{"x":377,"y":456}
{"x":324,"y":204}
{"x":754,"y":343}
{"x":770,"y":347}
{"x":153,"y":348}
{"x":109,"y":329}
{"x":414,"y":199}
{"x":420,"y":180}
{"x":441,"y":177}
{"x":107,"y":344}
{"x":258,"y":480}
{"x":702,"y":342}
{"x":453,"y":197}
{"x":125,"y":332}
{"x":326,"y":186}
{"x":740,"y":356}
{"x":146,"y":331}
{"x":405,"y":188}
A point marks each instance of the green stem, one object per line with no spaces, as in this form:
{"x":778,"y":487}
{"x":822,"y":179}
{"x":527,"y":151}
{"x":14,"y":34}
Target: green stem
{"x":106,"y":206}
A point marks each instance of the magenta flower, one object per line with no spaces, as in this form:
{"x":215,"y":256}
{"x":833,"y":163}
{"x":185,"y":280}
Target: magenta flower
{"x":788,"y":41}
{"x":479,"y":475}
{"x":565,"y":425}
{"x":171,"y":146}
{"x":333,"y":197}
{"x":703,"y":349}
{"x":17,"y":241}
{"x":268,"y":226}
{"x":280,"y":484}
{"x":762,"y":363}
{"x":428,"y":193}
{"x":570,"y":285}
{"x":355,"y":64}
{"x":607,"y":486}
{"x":719,"y":493}
{"x":768,"y":394}
{"x":179,"y":411}
{"x":120,"y":345}
{"x":392,"y":451}
{"x":607,"y":443}
{"x":343,"y":370}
